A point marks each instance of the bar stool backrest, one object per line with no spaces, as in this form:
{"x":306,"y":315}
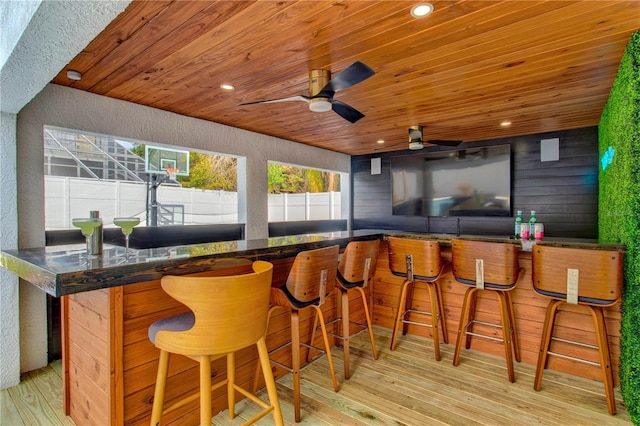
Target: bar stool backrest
{"x":313,"y":274}
{"x":595,"y":276}
{"x":425,"y":258}
{"x":358,"y":263}
{"x":500,"y":263}
{"x":230,"y":311}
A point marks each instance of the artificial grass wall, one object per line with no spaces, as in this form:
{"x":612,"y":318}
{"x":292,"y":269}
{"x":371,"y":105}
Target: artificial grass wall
{"x":619,"y":208}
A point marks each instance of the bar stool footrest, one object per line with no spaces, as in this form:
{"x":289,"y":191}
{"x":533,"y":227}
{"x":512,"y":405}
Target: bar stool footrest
{"x":303,"y":365}
{"x":488,"y":324}
{"x":413,"y":311}
{"x":363,"y":327}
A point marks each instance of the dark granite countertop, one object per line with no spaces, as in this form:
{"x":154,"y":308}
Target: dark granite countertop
{"x":62,"y":270}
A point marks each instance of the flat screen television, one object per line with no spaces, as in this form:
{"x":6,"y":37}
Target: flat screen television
{"x":468,"y":182}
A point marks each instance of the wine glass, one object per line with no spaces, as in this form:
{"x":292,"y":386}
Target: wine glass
{"x":126,"y":224}
{"x":87,"y":225}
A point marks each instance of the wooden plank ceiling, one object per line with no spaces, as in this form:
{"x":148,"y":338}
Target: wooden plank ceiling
{"x":459,"y":72}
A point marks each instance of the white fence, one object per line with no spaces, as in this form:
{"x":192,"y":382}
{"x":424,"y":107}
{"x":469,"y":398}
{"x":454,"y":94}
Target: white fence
{"x":307,"y":206}
{"x":66,"y":198}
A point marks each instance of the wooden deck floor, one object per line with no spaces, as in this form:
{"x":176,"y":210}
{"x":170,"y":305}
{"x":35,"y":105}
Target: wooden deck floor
{"x":404,"y":387}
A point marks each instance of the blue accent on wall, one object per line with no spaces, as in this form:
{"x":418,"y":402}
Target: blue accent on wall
{"x":607,"y":158}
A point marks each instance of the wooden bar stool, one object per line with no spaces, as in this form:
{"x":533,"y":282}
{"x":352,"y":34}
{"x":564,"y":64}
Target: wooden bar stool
{"x":311,"y":279}
{"x":492,"y":267}
{"x":227,"y":314}
{"x":355,"y":270}
{"x":589,"y":278}
{"x":418,"y":261}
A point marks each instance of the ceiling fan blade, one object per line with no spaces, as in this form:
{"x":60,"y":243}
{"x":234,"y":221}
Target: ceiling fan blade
{"x":271,"y":101}
{"x":443,"y":142}
{"x":347,"y":112}
{"x":353,"y":74}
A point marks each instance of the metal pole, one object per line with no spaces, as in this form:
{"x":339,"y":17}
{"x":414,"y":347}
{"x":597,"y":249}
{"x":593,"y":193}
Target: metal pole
{"x":154,"y":203}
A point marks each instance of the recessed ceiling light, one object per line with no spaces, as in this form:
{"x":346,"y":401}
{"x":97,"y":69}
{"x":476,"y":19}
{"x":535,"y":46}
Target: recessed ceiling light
{"x":227,"y":87}
{"x":505,"y":123}
{"x":421,"y":10}
{"x":74,"y":75}
{"x":380,"y":141}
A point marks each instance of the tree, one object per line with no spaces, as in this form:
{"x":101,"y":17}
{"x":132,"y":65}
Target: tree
{"x":213,"y":172}
{"x":294,"y":180}
{"x":284,"y":179}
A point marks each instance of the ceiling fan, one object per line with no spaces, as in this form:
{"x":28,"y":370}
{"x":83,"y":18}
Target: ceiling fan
{"x":416,"y":142}
{"x":322,"y":88}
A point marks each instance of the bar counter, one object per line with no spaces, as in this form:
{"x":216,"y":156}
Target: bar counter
{"x":63,"y":270}
{"x":108,"y":303}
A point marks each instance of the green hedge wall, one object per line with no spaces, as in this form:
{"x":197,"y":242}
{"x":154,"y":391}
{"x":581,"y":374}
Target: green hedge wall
{"x":619,"y":208}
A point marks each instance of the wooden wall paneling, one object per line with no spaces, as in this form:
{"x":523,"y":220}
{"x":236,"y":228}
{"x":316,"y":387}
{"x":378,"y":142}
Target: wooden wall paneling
{"x":115,"y":349}
{"x":137,"y":329}
{"x":564,"y":193}
{"x":86,"y":362}
{"x":64,"y":349}
{"x":89,"y":404}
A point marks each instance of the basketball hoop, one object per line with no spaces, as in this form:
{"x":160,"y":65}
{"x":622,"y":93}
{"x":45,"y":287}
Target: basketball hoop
{"x":171,"y":171}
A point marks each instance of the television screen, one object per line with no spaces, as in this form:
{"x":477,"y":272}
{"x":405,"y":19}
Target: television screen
{"x":469,"y":182}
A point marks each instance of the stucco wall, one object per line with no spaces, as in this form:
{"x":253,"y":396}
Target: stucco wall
{"x":9,"y":332}
{"x":75,"y":109}
{"x":38,"y":39}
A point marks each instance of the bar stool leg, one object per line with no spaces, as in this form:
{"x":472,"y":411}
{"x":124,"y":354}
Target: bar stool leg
{"x":161,"y":382}
{"x":435,"y":318}
{"x":205,"y":390}
{"x":462,"y":327}
{"x":263,"y":355}
{"x":505,"y":319}
{"x":605,"y":356}
{"x":470,"y":319}
{"x":407,"y":306}
{"x":512,"y":330}
{"x":327,"y":347}
{"x":231,"y":380}
{"x":402,"y":300}
{"x":441,"y":312}
{"x":258,"y":366}
{"x":344,"y":315}
{"x":313,"y":333}
{"x":368,"y":317}
{"x":545,"y":341}
{"x":295,"y":361}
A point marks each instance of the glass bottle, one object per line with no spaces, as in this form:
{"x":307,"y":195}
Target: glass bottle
{"x":518,"y":224}
{"x":532,"y":224}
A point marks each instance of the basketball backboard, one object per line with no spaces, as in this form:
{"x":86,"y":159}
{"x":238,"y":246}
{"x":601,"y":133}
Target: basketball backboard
{"x":158,"y":160}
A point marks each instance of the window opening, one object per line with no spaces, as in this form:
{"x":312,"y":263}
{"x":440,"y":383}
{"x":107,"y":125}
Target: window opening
{"x":299,"y":193}
{"x":86,"y":171}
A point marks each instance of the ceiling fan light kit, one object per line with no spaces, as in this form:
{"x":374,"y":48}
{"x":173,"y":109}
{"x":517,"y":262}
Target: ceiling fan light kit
{"x":416,"y":142}
{"x":320,"y":105}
